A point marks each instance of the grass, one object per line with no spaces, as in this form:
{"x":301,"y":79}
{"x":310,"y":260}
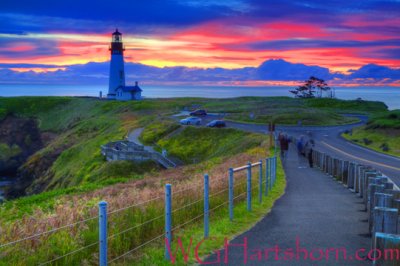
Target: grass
{"x":81,"y":125}
{"x":212,"y":146}
{"x":199,"y":144}
{"x":385,"y":120}
{"x":221,"y":228}
{"x":290,"y":116}
{"x":157,"y":130}
{"x":7,"y":152}
{"x":376,"y":139}
{"x":382,"y":133}
{"x":3,"y":113}
{"x":285,"y":110}
{"x":64,"y":241}
{"x":30,"y":106}
{"x":347,"y":106}
{"x":73,"y":176}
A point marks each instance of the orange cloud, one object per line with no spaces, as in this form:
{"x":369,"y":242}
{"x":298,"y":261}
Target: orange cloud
{"x":37,"y":69}
{"x":219,"y":43}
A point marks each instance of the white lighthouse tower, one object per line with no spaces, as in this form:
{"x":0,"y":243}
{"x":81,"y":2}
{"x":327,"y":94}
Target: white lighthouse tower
{"x":117,"y":72}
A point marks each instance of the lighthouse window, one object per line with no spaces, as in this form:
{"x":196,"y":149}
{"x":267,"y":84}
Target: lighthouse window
{"x":121,"y":74}
{"x":116,"y":38}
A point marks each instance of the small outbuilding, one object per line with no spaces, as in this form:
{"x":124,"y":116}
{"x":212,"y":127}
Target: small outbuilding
{"x":128,"y":93}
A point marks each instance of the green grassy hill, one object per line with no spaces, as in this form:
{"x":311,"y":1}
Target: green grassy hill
{"x":382,"y":133}
{"x":78,"y":126}
{"x":69,"y":176}
{"x":285,"y":110}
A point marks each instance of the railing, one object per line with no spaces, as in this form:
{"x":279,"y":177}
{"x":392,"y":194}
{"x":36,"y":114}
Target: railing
{"x":210,"y":200}
{"x":126,"y":145}
{"x":167,"y":163}
{"x":380,"y":198}
{"x":124,"y":150}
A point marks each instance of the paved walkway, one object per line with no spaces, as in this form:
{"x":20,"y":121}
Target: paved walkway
{"x":318,"y":211}
{"x":134,"y":137}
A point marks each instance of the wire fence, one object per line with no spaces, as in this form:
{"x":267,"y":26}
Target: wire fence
{"x":47,"y":232}
{"x":151,"y":229}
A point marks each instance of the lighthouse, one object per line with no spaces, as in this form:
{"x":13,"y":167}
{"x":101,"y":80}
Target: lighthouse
{"x":116,"y":88}
{"x":117,"y":71}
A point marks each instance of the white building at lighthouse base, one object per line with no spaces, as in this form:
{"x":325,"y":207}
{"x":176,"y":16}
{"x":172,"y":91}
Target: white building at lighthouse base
{"x":128,"y":93}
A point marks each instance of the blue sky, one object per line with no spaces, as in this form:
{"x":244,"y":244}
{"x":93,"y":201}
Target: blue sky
{"x":339,"y":40}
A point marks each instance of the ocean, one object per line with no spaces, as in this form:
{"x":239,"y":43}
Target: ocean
{"x":389,"y":95}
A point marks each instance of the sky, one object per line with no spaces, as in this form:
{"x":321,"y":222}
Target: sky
{"x":237,"y":41}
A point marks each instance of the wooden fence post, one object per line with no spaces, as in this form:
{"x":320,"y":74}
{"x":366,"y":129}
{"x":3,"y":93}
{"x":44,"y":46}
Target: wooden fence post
{"x":368,"y":180}
{"x":373,"y":188}
{"x":383,"y":200}
{"x":388,"y":247}
{"x":350,"y":176}
{"x":385,"y":220}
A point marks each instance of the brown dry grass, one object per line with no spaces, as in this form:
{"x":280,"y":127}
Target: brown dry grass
{"x":70,"y":209}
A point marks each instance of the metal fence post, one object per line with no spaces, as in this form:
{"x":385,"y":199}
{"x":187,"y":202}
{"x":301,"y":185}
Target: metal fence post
{"x":266,"y":177}
{"x":103,"y":233}
{"x":249,"y":186}
{"x":230,"y":194}
{"x":276,"y":167}
{"x":260,"y":183}
{"x":274,"y":170}
{"x":206,"y":205}
{"x":168,"y":220}
{"x":270,"y":173}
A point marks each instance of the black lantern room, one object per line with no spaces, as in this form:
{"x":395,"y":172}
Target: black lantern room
{"x":116,"y":43}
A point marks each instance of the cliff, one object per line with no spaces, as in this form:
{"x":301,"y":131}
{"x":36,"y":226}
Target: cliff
{"x":19,"y":139}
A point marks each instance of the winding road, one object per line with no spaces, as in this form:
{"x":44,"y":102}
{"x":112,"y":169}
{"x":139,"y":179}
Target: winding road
{"x":315,"y":210}
{"x":316,"y":214}
{"x":328,"y":139}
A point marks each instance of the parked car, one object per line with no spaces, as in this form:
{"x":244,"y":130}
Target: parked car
{"x":217,"y":123}
{"x":191,"y":121}
{"x":199,"y":112}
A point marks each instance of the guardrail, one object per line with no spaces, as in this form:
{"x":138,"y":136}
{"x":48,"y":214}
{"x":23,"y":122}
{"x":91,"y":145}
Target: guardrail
{"x":381,"y":199}
{"x":266,"y":180}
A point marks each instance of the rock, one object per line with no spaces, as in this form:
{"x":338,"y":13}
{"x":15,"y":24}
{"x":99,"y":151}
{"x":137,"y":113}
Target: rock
{"x":19,"y":139}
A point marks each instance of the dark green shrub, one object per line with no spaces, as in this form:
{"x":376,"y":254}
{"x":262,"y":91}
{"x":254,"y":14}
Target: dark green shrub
{"x":367,"y":141}
{"x":384,"y":147}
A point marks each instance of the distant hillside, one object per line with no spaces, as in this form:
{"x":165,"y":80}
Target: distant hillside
{"x":269,"y":70}
{"x":58,"y":141}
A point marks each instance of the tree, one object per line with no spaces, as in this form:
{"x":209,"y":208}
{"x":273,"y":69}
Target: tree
{"x":311,"y":86}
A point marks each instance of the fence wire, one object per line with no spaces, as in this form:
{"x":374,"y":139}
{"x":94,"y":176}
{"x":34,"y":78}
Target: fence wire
{"x":192,"y":187}
{"x":48,"y":232}
{"x":70,"y":253}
